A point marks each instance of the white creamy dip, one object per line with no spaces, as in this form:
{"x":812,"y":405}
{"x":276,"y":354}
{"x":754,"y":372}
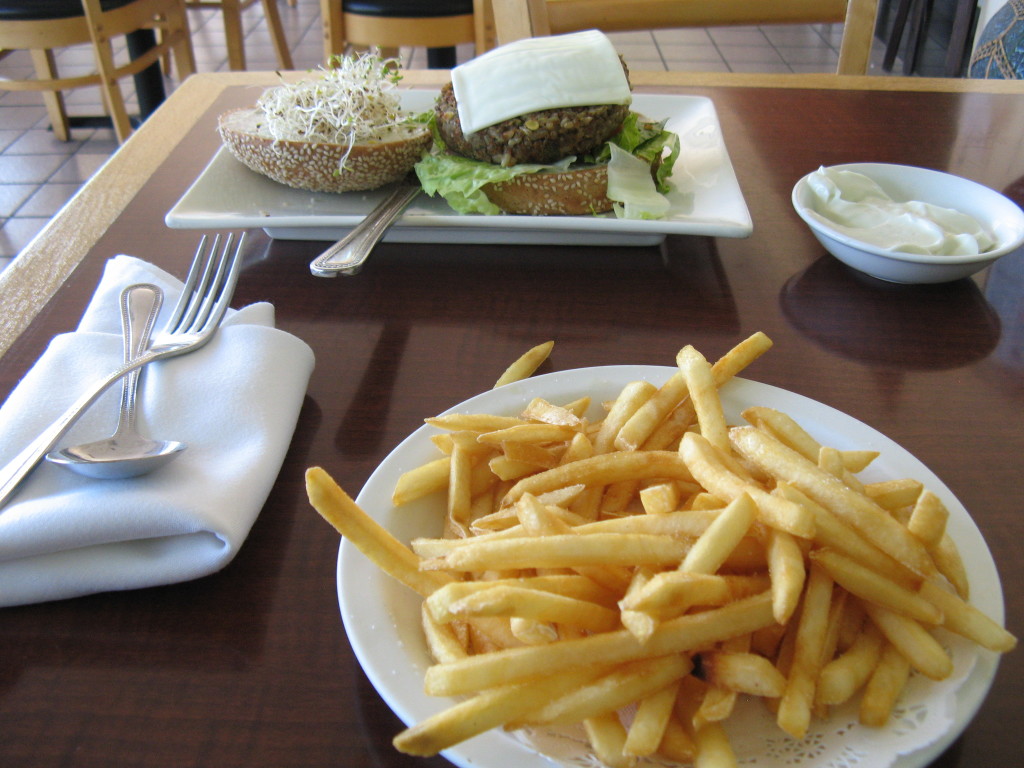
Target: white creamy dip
{"x":856,"y":206}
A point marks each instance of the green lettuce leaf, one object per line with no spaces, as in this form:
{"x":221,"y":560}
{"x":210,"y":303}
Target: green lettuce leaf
{"x":460,"y":180}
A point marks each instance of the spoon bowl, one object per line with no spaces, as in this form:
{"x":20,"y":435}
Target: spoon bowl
{"x":115,"y":458}
{"x":126,"y":453}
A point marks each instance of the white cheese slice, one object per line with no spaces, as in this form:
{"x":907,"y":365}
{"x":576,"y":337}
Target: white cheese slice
{"x":574,"y":70}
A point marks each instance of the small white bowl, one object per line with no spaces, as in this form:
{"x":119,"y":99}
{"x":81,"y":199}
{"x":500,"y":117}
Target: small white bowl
{"x":998,"y":214}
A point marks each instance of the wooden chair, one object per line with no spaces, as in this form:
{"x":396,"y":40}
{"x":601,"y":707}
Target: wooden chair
{"x":40,"y":28}
{"x":438,"y":25}
{"x":235,"y":37}
{"x":516,"y":19}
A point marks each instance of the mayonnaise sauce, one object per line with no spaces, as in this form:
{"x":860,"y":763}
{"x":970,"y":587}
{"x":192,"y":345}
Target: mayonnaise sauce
{"x":856,"y":206}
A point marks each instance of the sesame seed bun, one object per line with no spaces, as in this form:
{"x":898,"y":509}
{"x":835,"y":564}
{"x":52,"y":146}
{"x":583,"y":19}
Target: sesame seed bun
{"x":579,"y":192}
{"x":314,"y":165}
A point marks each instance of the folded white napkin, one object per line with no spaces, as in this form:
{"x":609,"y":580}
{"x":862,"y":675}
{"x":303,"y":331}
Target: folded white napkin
{"x":235,"y":402}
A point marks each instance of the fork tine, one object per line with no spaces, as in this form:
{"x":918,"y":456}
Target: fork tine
{"x":194,"y":317}
{"x":209,"y":287}
{"x":174,"y":322}
{"x":219,"y":298}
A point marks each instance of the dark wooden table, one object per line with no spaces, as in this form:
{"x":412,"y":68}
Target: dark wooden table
{"x":251,"y":667}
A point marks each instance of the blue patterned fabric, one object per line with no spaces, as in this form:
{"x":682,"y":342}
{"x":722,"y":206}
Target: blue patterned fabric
{"x":1000,"y":50}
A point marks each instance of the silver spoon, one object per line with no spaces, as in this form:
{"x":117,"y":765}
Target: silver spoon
{"x":126,"y":453}
{"x":347,"y":256}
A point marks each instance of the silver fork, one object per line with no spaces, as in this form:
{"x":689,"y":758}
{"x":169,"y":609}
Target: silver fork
{"x":204,"y":301}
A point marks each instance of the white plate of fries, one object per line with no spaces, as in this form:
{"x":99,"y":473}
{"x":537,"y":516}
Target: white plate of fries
{"x":383,"y":618}
{"x":706,"y":200}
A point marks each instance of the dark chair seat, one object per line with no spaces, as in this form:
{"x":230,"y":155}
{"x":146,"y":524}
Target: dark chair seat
{"x":34,"y":10}
{"x":412,"y":9}
{"x":437,"y":25}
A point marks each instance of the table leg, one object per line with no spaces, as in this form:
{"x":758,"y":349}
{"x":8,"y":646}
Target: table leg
{"x":149,"y":83}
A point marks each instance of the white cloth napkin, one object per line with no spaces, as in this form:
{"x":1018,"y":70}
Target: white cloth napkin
{"x":235,"y":402}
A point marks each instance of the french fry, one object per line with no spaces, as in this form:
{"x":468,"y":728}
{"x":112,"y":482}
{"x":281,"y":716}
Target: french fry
{"x":884,"y":687}
{"x":539,"y":605}
{"x":368,"y":536}
{"x":625,"y":684}
{"x":603,"y":469}
{"x":421,"y":481}
{"x":607,"y":737}
{"x":703,"y":463}
{"x":680,"y":635}
{"x":473,"y":422}
{"x":858,"y":460}
{"x":928,"y":520}
{"x":873,"y":587}
{"x":671,"y":593}
{"x":912,"y":640}
{"x":788,"y":573}
{"x":650,"y":721}
{"x":794,"y":715}
{"x":894,"y":494}
{"x":831,"y":460}
{"x":677,"y":743}
{"x":700,"y":383}
{"x":743,"y":673}
{"x":660,"y":499}
{"x":440,"y":602}
{"x":525,"y":365}
{"x":580,"y":447}
{"x":784,"y":428}
{"x":630,"y":399}
{"x":648,"y":416}
{"x":561,"y":551}
{"x":946,"y":557}
{"x":532,"y":631}
{"x":715,"y":545}
{"x":832,"y":532}
{"x":542,"y":411}
{"x":584,"y":561}
{"x":713,"y":747}
{"x":505,"y":468}
{"x":729,"y":365}
{"x":528,"y":433}
{"x":490,"y":709}
{"x":442,"y":641}
{"x":966,"y":620}
{"x":460,"y":484}
{"x":847,"y":673}
{"x":640,"y":624}
{"x":537,"y":456}
{"x":857,"y":509}
{"x":718,"y":703}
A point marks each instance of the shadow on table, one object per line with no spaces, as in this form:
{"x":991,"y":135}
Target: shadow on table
{"x":217,"y":622}
{"x":381,"y":725}
{"x":915,"y":327}
{"x":504,"y":292}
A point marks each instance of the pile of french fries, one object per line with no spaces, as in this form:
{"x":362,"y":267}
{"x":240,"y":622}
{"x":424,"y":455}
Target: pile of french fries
{"x":638,"y":573}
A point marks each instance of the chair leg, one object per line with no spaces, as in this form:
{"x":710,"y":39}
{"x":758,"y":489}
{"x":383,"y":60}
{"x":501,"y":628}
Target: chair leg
{"x":184,"y":55}
{"x":333,"y":29}
{"x":441,"y":58}
{"x":233,"y":34}
{"x":277,"y":36}
{"x":111,"y":90}
{"x":105,"y":67}
{"x":46,"y":69}
{"x":892,"y":46}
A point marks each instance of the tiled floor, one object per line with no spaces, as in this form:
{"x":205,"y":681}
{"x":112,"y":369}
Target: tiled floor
{"x":38,"y":174}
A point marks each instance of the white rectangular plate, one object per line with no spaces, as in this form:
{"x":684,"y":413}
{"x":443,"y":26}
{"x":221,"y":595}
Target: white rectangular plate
{"x":706,"y":199}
